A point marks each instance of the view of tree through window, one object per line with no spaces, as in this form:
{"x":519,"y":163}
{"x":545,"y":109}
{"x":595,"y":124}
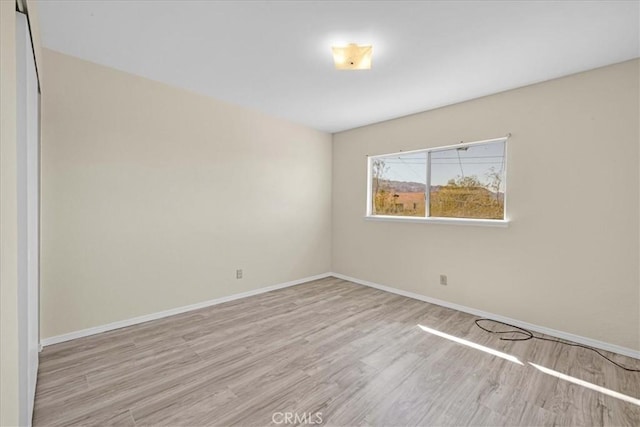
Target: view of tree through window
{"x":399,"y":185}
{"x":464,"y":182}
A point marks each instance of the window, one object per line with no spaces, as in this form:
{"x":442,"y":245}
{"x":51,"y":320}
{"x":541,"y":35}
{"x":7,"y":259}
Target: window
{"x":465,"y":181}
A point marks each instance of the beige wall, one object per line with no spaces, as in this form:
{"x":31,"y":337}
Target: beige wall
{"x":569,"y":259}
{"x":152,"y":197}
{"x":8,"y":220}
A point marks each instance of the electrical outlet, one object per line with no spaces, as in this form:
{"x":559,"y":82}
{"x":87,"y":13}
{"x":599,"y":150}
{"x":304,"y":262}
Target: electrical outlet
{"x":443,"y":279}
{"x":239,"y":274}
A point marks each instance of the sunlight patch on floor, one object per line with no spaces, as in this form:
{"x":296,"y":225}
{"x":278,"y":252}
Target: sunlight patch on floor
{"x":547,"y":371}
{"x":472,"y":345}
{"x":587,"y":384}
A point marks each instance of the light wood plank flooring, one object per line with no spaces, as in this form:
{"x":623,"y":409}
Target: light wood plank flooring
{"x":354,"y":354}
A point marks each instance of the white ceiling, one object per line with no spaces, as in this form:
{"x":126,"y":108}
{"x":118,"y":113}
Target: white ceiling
{"x":275,"y":56}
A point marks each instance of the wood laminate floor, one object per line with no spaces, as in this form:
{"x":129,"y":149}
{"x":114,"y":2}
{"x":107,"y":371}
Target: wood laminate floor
{"x":354,"y":354}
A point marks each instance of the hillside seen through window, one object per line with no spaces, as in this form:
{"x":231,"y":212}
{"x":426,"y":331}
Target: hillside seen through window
{"x":464,"y":182}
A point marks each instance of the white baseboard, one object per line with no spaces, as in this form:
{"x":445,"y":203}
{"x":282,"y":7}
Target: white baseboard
{"x":159,"y":315}
{"x":541,"y":329}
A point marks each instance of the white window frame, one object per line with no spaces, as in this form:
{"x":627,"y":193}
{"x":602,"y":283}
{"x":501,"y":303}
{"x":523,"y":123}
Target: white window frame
{"x":437,"y":220}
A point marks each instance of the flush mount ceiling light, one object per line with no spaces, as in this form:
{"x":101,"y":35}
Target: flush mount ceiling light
{"x":352,"y":57}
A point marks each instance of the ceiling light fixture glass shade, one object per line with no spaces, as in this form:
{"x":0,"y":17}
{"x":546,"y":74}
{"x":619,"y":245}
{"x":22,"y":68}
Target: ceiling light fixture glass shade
{"x":352,"y":57}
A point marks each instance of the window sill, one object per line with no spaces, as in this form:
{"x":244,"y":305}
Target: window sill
{"x":438,"y":220}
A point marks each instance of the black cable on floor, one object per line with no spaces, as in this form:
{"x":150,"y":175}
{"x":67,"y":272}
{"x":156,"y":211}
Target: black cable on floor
{"x":526,"y":334}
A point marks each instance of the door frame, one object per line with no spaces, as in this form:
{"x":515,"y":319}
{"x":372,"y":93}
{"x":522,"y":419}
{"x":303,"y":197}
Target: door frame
{"x":28,"y":195}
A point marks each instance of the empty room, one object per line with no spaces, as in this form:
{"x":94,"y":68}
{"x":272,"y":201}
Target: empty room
{"x":340,"y":213}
